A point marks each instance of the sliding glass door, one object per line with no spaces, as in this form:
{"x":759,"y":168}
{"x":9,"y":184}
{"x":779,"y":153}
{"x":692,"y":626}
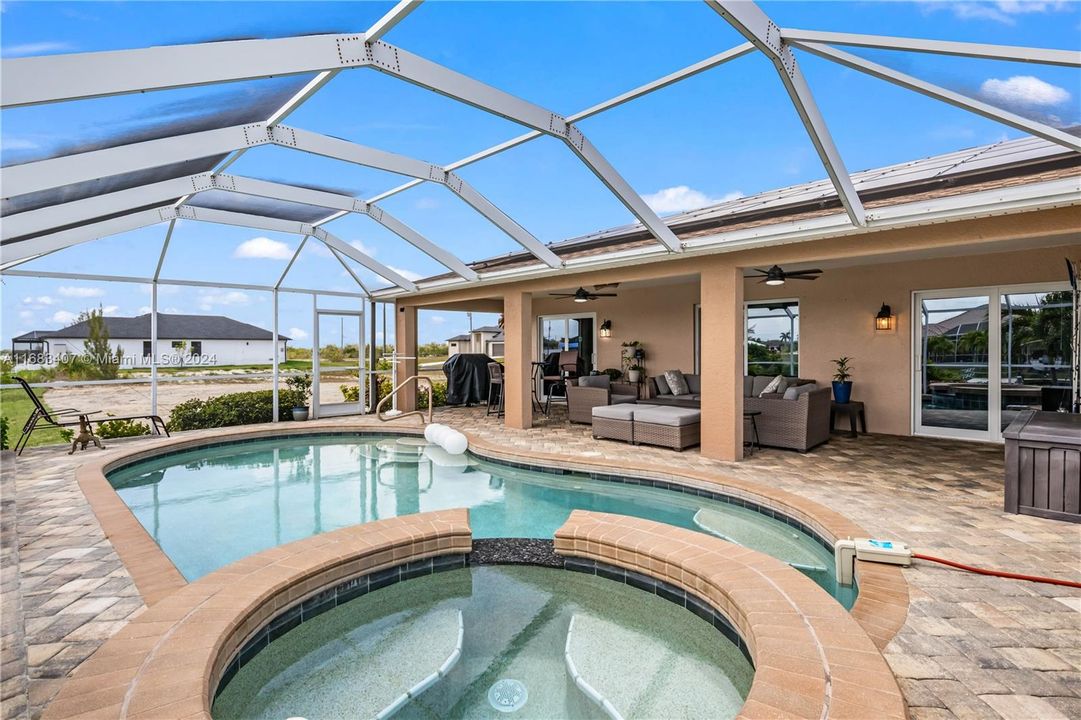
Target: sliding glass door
{"x":983,"y":356}
{"x":560,"y":333}
{"x":953,"y":382}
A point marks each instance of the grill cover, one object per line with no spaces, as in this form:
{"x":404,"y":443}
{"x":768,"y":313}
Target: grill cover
{"x":467,"y":378}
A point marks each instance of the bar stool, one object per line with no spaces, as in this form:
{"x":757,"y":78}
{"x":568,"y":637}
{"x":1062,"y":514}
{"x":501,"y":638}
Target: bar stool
{"x":495,"y":384}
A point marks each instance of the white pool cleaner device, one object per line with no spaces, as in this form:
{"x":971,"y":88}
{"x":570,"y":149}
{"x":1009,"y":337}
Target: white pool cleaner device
{"x":847,"y":552}
{"x":447,"y":438}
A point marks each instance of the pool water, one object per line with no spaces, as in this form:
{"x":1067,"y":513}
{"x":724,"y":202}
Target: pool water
{"x":647,"y":656}
{"x":209,"y":507}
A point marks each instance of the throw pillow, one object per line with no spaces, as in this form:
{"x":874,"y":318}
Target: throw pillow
{"x":794,"y":392}
{"x":775,"y":386}
{"x":676,"y":382}
{"x":662,"y":385}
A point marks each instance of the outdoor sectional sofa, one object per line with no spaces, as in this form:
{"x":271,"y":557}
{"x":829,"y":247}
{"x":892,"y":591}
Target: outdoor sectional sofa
{"x":795,"y":424}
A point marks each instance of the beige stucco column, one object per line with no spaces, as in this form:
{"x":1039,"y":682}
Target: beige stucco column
{"x":518,"y":349}
{"x":405,"y":342}
{"x":722,"y":362}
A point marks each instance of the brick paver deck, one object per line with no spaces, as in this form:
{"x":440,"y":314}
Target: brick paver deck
{"x":971,"y":646}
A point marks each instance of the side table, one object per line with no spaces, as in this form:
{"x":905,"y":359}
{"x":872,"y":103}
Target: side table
{"x":852,"y":409}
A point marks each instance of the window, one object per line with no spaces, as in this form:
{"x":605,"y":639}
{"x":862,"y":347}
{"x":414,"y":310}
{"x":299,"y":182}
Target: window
{"x":772,"y":340}
{"x":196,"y":347}
{"x":147,"y":349}
{"x":178,"y":344}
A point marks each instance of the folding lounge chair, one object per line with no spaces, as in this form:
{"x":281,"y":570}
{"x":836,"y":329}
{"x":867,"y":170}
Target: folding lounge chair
{"x":64,"y":418}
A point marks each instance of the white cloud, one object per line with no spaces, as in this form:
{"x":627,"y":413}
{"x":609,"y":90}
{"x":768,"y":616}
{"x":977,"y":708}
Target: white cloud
{"x":80,"y":292}
{"x":39,"y":302}
{"x":296,"y":333}
{"x":37,"y":48}
{"x":110,"y":309}
{"x":437,"y":319}
{"x":26,"y":314}
{"x":64,"y":317}
{"x":263,"y":248}
{"x":1002,"y":11}
{"x":209,"y":300}
{"x":681,"y":198}
{"x":143,"y":310}
{"x":426,"y":203}
{"x":366,"y":249}
{"x":407,"y":274}
{"x":1024,"y":90}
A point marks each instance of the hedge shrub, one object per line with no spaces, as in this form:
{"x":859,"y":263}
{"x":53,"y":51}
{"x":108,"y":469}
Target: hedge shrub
{"x":122,"y":428}
{"x":244,"y":408}
{"x":351,"y":393}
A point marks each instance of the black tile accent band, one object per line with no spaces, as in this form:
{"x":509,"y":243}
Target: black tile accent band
{"x":331,"y":598}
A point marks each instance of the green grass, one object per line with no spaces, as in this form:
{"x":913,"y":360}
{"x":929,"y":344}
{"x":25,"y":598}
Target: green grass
{"x":16,"y":407}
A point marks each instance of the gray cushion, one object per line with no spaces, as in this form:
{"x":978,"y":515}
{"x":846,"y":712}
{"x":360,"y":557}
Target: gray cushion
{"x":748,"y":385}
{"x":694,"y":383}
{"x":793,"y":392}
{"x":595,"y":381}
{"x":662,"y":385}
{"x":617,"y":398}
{"x":666,"y":415}
{"x":760,"y":383}
{"x":614,"y":412}
{"x":676,"y":382}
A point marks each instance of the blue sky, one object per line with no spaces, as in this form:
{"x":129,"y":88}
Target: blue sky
{"x":727,"y":132}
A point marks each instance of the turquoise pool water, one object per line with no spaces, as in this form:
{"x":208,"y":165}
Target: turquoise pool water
{"x":649,"y":657}
{"x":211,"y":506}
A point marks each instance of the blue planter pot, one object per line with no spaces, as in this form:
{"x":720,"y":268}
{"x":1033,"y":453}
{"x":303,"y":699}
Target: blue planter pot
{"x":842,"y":392}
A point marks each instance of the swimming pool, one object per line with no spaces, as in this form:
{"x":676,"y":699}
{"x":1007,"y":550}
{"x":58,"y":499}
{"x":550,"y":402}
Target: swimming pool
{"x":504,"y":634}
{"x":210,"y":506}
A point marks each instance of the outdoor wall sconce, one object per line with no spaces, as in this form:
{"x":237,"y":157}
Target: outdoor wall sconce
{"x":606,"y":329}
{"x":884,"y":319}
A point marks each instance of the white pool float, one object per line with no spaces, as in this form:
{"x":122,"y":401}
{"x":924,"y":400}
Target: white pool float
{"x":447,"y":438}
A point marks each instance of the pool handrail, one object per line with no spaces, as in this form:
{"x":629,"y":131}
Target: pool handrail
{"x":420,"y":380}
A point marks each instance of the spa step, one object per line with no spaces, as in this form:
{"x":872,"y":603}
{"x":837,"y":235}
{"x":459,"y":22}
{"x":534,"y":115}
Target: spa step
{"x":751,"y":530}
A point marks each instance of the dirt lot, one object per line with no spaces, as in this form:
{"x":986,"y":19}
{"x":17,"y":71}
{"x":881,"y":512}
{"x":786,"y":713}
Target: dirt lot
{"x":134,"y":399}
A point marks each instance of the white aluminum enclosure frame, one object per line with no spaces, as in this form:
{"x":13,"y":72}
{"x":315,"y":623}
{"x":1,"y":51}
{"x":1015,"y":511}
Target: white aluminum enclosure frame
{"x":319,"y":410}
{"x":56,"y":78}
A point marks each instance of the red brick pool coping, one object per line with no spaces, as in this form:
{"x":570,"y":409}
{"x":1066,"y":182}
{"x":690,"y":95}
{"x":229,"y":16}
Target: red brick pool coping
{"x":167,"y":662}
{"x":812,"y":660}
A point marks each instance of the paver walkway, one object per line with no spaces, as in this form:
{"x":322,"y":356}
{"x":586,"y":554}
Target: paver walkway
{"x":972,"y":646}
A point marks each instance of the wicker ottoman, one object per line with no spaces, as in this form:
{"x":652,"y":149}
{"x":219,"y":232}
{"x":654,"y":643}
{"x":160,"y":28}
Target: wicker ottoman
{"x":615,"y":422}
{"x":667,"y":426}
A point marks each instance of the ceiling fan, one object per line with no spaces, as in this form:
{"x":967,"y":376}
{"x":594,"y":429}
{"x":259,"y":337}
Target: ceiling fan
{"x":776,"y":276}
{"x":582,"y":295}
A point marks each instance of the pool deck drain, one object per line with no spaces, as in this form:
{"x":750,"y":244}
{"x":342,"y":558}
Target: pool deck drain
{"x":508,"y":695}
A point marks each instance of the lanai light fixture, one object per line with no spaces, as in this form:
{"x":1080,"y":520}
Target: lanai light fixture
{"x":884,"y":319}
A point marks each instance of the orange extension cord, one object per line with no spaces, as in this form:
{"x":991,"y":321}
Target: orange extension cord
{"x":998,"y":573}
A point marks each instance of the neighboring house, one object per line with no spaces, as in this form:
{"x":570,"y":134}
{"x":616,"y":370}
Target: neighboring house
{"x":486,"y":340}
{"x":205,"y":340}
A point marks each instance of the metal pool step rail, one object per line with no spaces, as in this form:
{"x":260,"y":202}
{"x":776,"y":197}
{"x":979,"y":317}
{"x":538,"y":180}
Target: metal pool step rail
{"x":412,"y":693}
{"x":422,"y":381}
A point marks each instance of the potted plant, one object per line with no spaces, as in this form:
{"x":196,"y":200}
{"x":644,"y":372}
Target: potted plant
{"x":634,"y":373}
{"x":842,"y":384}
{"x":301,"y":384}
